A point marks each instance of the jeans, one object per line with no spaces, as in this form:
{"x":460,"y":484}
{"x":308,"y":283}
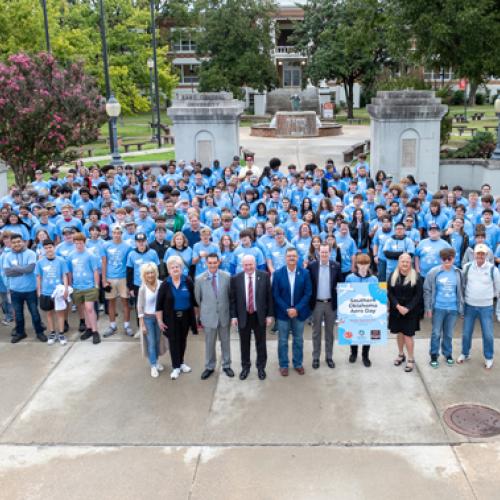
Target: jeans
{"x":296,"y":328}
{"x":152,"y":338}
{"x":6,"y":307}
{"x":443,"y":324}
{"x":485,"y":315}
{"x":18,"y":299}
{"x":382,"y":270}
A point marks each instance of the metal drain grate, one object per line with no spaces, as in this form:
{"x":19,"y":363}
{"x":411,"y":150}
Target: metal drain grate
{"x":473,"y":420}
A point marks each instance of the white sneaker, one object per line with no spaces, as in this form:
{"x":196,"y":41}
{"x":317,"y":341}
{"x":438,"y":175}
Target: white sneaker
{"x":52,"y":338}
{"x":175,"y":373}
{"x":463,"y":358}
{"x":62,"y":340}
{"x":185,"y":368}
{"x":159,"y":367}
{"x":154,"y":372}
{"x":138,"y":334}
{"x":488,"y":363}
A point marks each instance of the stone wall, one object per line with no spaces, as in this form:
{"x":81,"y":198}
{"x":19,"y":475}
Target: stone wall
{"x":469,"y":173}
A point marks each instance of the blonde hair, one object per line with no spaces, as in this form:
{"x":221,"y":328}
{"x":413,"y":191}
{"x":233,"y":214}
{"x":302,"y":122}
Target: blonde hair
{"x":410,"y":279}
{"x":175,"y":259}
{"x":149,"y":267}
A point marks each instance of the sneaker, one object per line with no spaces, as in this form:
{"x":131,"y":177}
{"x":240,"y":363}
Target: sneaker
{"x":128,"y":331}
{"x":434,"y":361}
{"x":450,"y":361}
{"x":86,"y":335}
{"x":488,"y":363}
{"x":96,"y":338}
{"x":185,"y":368}
{"x":62,"y":339}
{"x":463,"y":358}
{"x":52,"y":338}
{"x":101,"y":307}
{"x":154,"y":372}
{"x":159,"y":367}
{"x":138,"y":334}
{"x":109,"y":331}
{"x":175,"y":374}
{"x":6,"y":322}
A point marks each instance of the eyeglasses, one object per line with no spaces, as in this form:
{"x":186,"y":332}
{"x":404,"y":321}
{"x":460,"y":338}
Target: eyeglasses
{"x":447,"y":259}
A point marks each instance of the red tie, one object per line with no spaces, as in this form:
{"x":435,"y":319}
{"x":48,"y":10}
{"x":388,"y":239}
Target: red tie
{"x":251,"y":306}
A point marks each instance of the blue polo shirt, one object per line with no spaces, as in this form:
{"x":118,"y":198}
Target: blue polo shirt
{"x":182,"y":297}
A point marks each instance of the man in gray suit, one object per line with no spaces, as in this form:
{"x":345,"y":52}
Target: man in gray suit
{"x":212,"y":291}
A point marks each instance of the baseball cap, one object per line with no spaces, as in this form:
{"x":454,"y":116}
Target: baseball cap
{"x":140,"y":237}
{"x":38,"y":172}
{"x":129,"y":222}
{"x":68,"y":229}
{"x":481,"y":247}
{"x":433,"y":225}
{"x":50,"y":205}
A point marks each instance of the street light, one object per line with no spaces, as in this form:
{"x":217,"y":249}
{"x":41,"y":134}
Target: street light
{"x":151,"y":65}
{"x":152,"y":8}
{"x":113,"y":109}
{"x":46,"y":25}
{"x":496,"y":153}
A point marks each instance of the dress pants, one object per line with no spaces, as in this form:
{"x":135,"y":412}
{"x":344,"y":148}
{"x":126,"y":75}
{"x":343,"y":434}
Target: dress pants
{"x":211,"y":335}
{"x":259,"y":332}
{"x":177,"y":340}
{"x":323,"y":312}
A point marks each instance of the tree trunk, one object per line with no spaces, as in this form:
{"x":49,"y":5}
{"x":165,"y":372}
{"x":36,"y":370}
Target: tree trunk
{"x":349,"y":93}
{"x":471,"y":98}
{"x":20,"y":175}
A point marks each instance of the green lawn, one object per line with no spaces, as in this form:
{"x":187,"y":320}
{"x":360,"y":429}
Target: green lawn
{"x":168,"y":155}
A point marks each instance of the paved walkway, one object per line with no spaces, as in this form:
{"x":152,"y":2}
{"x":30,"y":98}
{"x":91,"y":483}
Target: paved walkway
{"x":85,"y":421}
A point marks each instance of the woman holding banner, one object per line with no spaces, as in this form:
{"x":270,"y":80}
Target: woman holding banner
{"x":405,"y":294}
{"x":362,"y":275}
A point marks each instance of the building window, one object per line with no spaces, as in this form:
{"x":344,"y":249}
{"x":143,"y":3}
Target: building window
{"x":182,"y":42}
{"x":292,"y":75}
{"x":445,"y":74}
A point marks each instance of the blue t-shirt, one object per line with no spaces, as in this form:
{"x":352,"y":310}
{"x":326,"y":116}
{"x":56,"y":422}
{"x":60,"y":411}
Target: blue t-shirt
{"x":82,"y":266}
{"x":186,"y":255}
{"x":354,"y":278}
{"x":25,"y":282}
{"x":428,"y":254}
{"x":135,"y":260}
{"x":64,"y":249}
{"x":347,"y":250}
{"x":116,"y":259}
{"x":51,"y":272}
{"x":446,"y":290}
{"x":96,"y":248}
{"x":241,"y":251}
{"x":201,"y":265}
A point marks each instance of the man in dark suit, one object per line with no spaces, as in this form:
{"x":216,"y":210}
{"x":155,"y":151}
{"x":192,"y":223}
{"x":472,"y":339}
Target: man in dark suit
{"x":251,"y":310}
{"x":325,"y":275}
{"x":291,"y":294}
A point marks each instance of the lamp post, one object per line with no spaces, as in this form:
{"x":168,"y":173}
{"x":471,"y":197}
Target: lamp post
{"x":46,"y":25}
{"x":152,"y":7}
{"x":151,"y":65}
{"x":113,"y":109}
{"x":496,"y":153}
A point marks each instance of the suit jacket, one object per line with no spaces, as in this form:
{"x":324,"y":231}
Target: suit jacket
{"x":263,"y":298}
{"x":213,"y":310}
{"x":301,"y":293}
{"x":335,"y":277}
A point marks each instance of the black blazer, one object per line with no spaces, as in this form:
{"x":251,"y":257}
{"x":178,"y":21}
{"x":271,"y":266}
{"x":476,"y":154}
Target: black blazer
{"x":335,"y":277}
{"x":263,"y":298}
{"x":165,"y":304}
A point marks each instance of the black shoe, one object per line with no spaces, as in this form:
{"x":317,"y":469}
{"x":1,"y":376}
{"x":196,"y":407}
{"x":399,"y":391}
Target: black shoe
{"x":366,"y":361}
{"x":17,"y":338}
{"x":262,"y":374}
{"x":86,"y":335}
{"x":206,"y":374}
{"x":244,"y":373}
{"x":81,"y":327}
{"x":96,"y":338}
{"x":330,"y":363}
{"x":42,"y":337}
{"x":353,"y":357}
{"x":315,"y":364}
{"x":66,"y":327}
{"x":229,"y":372}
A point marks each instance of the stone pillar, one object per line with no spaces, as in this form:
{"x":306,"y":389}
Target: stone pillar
{"x":4,"y":188}
{"x":206,"y":127}
{"x":405,"y":134}
{"x":260,"y":103}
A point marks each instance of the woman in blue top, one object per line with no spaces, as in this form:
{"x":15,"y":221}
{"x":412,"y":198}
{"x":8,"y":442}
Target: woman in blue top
{"x":302,"y":241}
{"x":180,"y":247}
{"x":226,"y":246}
{"x":362,"y":275}
{"x":14,"y":225}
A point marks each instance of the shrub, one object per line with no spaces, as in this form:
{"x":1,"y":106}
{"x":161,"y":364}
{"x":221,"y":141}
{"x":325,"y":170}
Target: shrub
{"x":480,"y":146}
{"x":457,"y":98}
{"x":446,"y":127}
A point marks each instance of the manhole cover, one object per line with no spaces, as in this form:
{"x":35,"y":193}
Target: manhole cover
{"x":473,"y":420}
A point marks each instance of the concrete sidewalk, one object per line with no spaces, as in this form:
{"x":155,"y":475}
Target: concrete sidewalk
{"x":85,"y":421}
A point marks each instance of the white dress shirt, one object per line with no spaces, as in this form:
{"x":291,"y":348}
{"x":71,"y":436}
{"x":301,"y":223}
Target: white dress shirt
{"x":291,"y":281}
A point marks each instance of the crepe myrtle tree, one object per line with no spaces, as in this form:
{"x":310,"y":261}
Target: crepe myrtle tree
{"x":44,"y":109}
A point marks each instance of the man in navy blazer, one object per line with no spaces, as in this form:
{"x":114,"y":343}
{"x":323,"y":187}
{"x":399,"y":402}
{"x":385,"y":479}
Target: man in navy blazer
{"x":291,"y":295}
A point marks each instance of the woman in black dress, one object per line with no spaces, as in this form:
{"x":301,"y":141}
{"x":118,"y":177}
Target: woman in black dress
{"x":405,"y":292}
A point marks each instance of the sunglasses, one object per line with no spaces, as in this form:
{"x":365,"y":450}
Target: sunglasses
{"x":447,"y":259}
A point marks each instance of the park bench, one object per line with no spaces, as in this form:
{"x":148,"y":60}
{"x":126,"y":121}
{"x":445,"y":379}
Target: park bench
{"x":460,"y":118}
{"x":168,"y":139}
{"x":490,"y":127}
{"x":353,"y":121}
{"x":138,"y":145}
{"x":477,"y":116}
{"x":460,"y":128}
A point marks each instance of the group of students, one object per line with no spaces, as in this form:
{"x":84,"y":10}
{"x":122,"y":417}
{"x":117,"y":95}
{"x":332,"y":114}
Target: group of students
{"x":85,"y":235}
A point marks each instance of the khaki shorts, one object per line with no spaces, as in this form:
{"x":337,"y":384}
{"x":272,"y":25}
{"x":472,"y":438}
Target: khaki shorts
{"x":118,"y":289}
{"x":88,"y":295}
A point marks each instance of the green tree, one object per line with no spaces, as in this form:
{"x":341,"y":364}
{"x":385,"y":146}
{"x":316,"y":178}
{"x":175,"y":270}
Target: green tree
{"x":345,"y":41}
{"x":235,"y":39}
{"x":460,"y":34}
